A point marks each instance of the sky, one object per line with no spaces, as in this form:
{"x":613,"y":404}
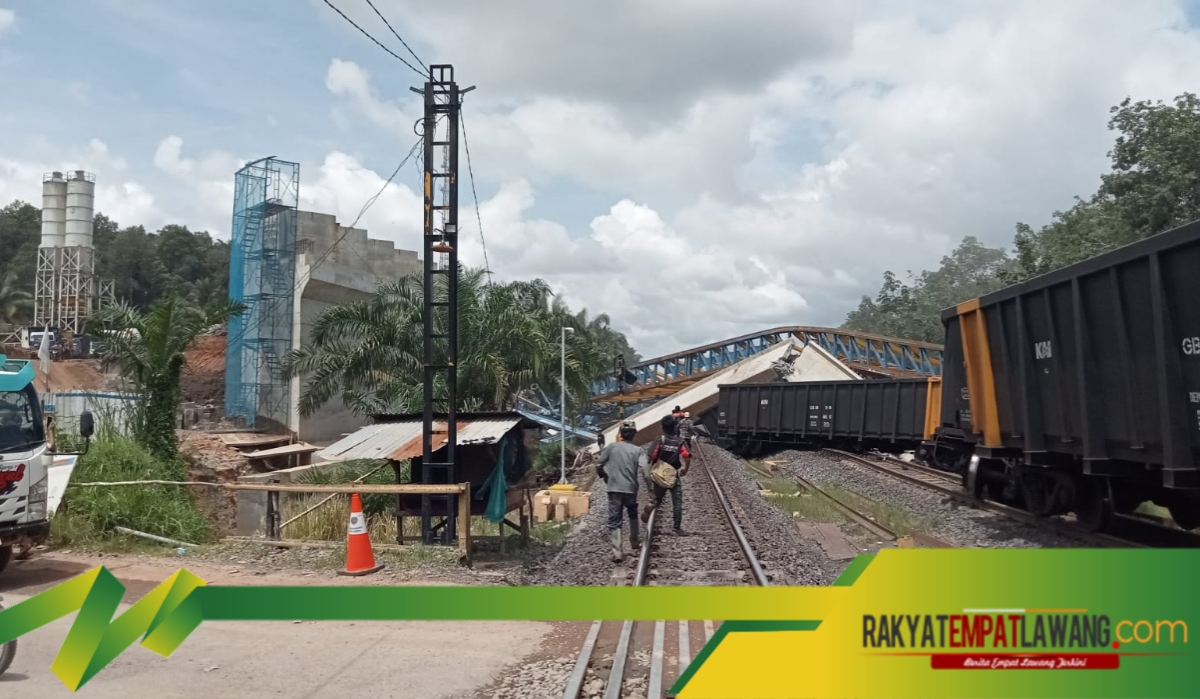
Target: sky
{"x":696,"y":169}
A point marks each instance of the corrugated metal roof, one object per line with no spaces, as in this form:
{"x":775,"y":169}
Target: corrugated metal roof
{"x":401,"y":439}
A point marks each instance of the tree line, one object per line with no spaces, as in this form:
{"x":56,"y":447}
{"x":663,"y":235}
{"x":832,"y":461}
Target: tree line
{"x":370,"y":353}
{"x":145,"y":266}
{"x":1153,"y":186}
{"x":170,"y":282}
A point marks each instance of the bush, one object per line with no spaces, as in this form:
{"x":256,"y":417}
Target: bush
{"x":164,"y":510}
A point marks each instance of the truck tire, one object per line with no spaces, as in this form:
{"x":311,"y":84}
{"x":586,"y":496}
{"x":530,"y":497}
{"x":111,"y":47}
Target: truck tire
{"x":7,"y":653}
{"x":5,"y":555}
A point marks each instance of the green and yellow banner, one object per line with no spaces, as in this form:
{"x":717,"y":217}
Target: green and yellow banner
{"x":902,"y":623}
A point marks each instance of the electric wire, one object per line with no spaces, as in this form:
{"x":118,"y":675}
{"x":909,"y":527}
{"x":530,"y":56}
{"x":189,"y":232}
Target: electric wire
{"x":324,"y":256}
{"x":478,"y":217}
{"x":366,"y":34}
{"x":402,"y":41}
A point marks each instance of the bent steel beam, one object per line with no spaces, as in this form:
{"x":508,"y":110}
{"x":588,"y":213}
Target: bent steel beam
{"x":862,"y":351}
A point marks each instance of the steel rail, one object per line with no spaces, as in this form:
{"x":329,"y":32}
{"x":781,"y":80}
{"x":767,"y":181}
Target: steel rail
{"x":956,"y":492}
{"x":859,"y":518}
{"x":616,"y":676}
{"x":756,"y":570}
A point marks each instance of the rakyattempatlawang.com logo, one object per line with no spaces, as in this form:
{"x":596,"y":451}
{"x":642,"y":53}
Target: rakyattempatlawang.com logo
{"x":1020,"y":639}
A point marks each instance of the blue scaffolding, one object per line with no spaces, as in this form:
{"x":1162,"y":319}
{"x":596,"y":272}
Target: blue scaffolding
{"x":262,"y":275}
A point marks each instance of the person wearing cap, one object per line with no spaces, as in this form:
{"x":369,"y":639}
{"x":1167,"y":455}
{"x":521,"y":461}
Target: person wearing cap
{"x":669,"y":448}
{"x":618,"y":467}
{"x":686,"y":428}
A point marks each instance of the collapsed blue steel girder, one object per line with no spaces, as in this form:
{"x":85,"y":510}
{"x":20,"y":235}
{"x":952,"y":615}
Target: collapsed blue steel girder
{"x":863,"y":351}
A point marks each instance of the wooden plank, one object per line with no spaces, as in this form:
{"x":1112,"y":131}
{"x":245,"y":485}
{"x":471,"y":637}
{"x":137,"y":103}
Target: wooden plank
{"x":300,"y":448}
{"x":834,"y":542}
{"x":654,"y":690}
{"x":808,"y":531}
{"x":685,"y":651}
{"x":464,"y":523}
{"x":307,"y":543}
{"x":242,"y":439}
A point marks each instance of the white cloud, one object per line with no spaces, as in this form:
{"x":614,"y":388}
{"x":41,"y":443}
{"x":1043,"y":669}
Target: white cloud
{"x":124,"y":201}
{"x":649,"y":58}
{"x":8,"y":19}
{"x":342,"y":187}
{"x":757,"y":165}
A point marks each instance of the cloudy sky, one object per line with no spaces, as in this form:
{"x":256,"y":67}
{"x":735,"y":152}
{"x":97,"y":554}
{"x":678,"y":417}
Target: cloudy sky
{"x":695,"y":168}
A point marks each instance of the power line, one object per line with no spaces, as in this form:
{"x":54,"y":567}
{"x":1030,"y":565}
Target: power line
{"x":389,"y":26}
{"x":313,"y":267}
{"x":478,"y":217}
{"x":364,"y":31}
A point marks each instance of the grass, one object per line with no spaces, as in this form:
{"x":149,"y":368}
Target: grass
{"x":330,"y":521}
{"x":1149,"y":508}
{"x":88,"y":516}
{"x":792,"y":498}
{"x":551,"y":534}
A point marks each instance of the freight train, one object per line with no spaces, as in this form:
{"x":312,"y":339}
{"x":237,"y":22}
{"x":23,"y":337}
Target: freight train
{"x":1074,"y":392}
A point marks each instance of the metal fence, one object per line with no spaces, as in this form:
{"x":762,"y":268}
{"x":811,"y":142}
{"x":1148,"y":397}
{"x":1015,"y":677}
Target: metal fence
{"x":112,"y":410}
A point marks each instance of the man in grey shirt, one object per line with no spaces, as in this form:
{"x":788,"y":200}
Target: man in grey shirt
{"x":686,"y":428}
{"x":619,"y":466}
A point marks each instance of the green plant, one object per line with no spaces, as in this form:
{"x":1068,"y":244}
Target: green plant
{"x":148,"y":348}
{"x":370,"y":353}
{"x":90,"y":514}
{"x":328,"y":521}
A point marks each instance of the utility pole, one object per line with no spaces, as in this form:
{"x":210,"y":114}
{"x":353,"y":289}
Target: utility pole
{"x":443,"y":100}
{"x":562,"y":402}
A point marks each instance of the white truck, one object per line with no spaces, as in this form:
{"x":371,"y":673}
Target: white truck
{"x":26,"y":454}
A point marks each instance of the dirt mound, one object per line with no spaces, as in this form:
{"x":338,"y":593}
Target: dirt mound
{"x":209,"y":460}
{"x":203,"y":379}
{"x":76,"y":375}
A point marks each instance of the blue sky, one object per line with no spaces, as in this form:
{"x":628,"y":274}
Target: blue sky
{"x":246,"y":78}
{"x":697,"y":170}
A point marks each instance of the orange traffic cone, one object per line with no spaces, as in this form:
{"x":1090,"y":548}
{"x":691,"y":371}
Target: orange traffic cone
{"x":360,"y":560}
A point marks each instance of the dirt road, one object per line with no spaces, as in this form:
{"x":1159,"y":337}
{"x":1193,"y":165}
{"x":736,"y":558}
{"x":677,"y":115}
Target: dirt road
{"x":308,"y":660}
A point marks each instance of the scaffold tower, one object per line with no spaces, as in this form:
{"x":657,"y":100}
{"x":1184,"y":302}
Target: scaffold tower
{"x":262,"y":275}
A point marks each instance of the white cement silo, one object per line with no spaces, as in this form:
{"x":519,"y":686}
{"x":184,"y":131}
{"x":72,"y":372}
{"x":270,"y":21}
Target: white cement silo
{"x":54,"y":210}
{"x":81,"y":201}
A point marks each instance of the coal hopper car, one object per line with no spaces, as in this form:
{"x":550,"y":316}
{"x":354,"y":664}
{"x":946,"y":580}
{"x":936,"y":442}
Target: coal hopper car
{"x":1076,"y":391}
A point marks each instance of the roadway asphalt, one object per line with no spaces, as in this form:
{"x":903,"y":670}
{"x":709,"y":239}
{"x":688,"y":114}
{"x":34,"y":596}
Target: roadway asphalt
{"x":308,"y":660}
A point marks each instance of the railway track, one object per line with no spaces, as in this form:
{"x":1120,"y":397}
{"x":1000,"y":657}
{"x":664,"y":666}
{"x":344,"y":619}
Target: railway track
{"x":1143,"y":534}
{"x":646,"y":657}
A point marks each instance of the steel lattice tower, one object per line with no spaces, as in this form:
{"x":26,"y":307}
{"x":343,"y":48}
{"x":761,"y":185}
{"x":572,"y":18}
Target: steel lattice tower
{"x":443,"y":100}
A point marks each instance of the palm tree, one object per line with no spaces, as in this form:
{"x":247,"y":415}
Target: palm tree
{"x":148,"y":348}
{"x":371,"y":352}
{"x":13,"y":301}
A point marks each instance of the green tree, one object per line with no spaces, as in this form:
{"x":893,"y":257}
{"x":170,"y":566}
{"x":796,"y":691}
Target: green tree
{"x":148,"y":348}
{"x":15,"y":303}
{"x":370,"y":353}
{"x":1154,"y":185}
{"x":20,"y":233}
{"x":913,"y":311}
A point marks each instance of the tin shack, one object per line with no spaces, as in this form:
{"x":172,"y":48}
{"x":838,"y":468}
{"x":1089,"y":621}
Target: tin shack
{"x":492,"y":450}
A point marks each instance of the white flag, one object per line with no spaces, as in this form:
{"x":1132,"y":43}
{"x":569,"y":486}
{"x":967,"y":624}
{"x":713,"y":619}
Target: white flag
{"x":44,"y":352}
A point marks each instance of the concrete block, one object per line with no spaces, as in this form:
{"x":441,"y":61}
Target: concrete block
{"x":560,"y":505}
{"x":252,"y":504}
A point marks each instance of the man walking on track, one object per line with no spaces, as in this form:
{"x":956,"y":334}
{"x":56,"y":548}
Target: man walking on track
{"x":686,"y":429}
{"x":618,"y":467}
{"x":668,"y":464}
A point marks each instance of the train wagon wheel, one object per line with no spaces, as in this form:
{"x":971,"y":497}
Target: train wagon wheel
{"x":1093,"y":503}
{"x":1185,"y":515}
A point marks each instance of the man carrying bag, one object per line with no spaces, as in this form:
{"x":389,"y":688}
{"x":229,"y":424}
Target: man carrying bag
{"x":668,"y":463}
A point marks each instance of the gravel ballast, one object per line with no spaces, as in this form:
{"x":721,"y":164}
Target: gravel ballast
{"x":952,"y":521}
{"x":771,"y":531}
{"x":584,"y":558}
